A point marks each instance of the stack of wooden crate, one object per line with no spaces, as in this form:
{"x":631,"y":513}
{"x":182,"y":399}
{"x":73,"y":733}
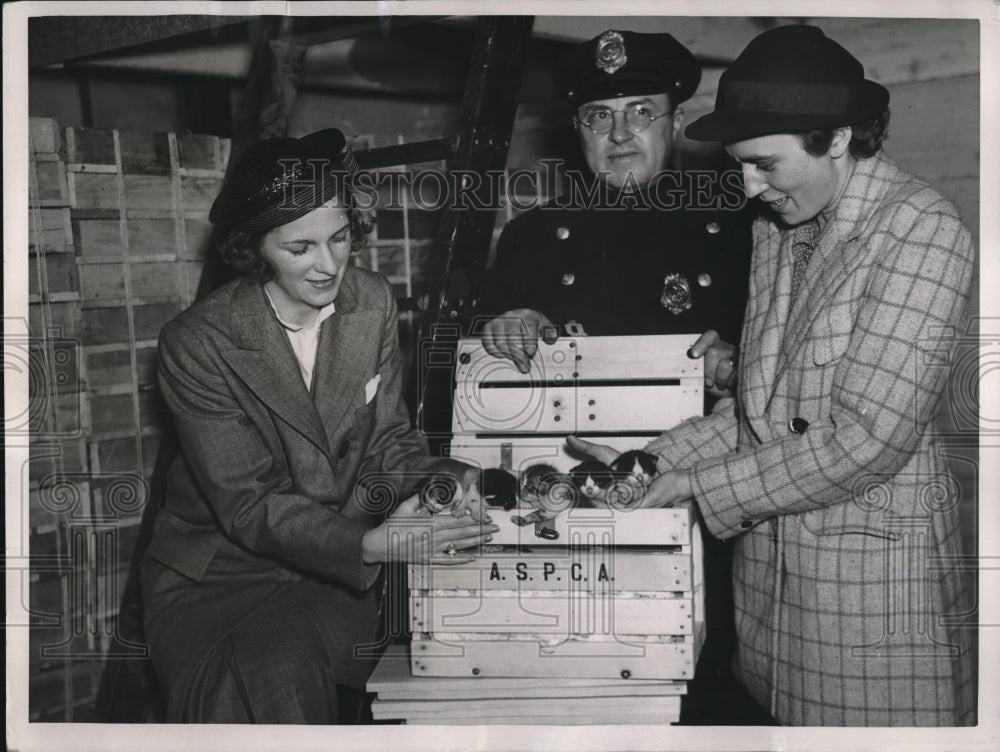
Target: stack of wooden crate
{"x":117,"y":234}
{"x":599,"y":620}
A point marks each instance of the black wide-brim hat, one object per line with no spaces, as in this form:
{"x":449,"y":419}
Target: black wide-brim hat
{"x":626,"y":63}
{"x":278,"y":180}
{"x":788,"y":80}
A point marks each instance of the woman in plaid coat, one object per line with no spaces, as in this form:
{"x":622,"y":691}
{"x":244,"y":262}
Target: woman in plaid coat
{"x":824,"y":468}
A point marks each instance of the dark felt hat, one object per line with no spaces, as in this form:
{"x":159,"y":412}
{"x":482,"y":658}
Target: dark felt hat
{"x":278,"y":180}
{"x":625,"y":63}
{"x":787,"y":80}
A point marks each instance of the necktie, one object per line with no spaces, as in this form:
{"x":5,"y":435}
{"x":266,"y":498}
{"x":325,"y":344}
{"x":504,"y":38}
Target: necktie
{"x":803,"y":244}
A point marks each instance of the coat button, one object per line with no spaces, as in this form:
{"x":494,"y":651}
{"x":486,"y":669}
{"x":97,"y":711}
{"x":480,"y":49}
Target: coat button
{"x":568,"y":278}
{"x":798,"y":425}
{"x":713,"y":228}
{"x":746,"y":524}
{"x":345,"y":447}
{"x":562,"y":233}
{"x":704,"y":280}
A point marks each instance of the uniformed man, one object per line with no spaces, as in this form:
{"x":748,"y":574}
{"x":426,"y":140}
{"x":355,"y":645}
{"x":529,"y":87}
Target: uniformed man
{"x":639,"y":249}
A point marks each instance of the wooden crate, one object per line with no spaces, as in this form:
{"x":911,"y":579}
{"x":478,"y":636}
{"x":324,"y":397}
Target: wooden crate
{"x":606,"y":595}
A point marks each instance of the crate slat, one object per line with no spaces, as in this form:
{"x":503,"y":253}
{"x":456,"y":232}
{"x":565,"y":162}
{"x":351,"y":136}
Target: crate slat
{"x":147,"y":193}
{"x":526,"y":658}
{"x":551,"y":613}
{"x":600,"y":358}
{"x":93,"y":190}
{"x":625,"y":568}
{"x":44,"y":135}
{"x":600,"y":527}
{"x":49,"y":229}
{"x":573,"y":406}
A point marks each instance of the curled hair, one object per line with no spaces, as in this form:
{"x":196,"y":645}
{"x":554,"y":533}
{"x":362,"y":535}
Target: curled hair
{"x":866,"y":137}
{"x":241,"y":249}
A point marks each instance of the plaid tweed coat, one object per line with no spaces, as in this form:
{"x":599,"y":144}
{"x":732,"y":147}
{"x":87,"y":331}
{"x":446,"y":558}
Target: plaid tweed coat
{"x":260,"y":509}
{"x":840,"y":610}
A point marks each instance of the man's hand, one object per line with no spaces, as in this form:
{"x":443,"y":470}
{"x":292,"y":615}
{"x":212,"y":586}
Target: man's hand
{"x":515,"y":335}
{"x":720,"y":363}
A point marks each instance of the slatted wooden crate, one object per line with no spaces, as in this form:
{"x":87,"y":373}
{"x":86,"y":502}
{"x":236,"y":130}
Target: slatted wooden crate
{"x":607,"y":595}
{"x":117,"y":236}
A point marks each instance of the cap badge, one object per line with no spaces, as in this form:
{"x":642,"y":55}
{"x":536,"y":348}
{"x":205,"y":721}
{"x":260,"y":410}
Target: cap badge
{"x":610,"y":55}
{"x":676,"y":296}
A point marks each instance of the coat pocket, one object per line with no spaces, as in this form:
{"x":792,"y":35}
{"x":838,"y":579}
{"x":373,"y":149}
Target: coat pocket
{"x":831,"y":333}
{"x":181,"y":550}
{"x":847,"y":519}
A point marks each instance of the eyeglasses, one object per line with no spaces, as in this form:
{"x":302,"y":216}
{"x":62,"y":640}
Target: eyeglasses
{"x":637,"y":119}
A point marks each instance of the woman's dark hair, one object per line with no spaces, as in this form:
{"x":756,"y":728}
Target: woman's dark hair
{"x":240,"y":249}
{"x":866,"y":137}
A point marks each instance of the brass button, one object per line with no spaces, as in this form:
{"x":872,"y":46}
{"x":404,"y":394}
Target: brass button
{"x":713,"y":228}
{"x":568,"y":278}
{"x":562,"y":233}
{"x":704,"y":280}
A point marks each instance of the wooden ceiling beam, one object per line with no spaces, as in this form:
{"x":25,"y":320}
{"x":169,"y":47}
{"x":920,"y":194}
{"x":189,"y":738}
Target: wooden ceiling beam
{"x":57,"y":39}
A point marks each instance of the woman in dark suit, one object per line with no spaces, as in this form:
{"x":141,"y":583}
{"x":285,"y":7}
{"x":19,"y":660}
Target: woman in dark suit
{"x":296,"y":449}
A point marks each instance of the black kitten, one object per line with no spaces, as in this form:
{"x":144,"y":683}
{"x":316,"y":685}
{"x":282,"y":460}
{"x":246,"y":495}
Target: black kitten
{"x":637,"y":463}
{"x":592,"y":478}
{"x":499,"y":488}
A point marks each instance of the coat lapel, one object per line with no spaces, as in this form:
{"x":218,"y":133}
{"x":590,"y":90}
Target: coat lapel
{"x":347,"y":346}
{"x":762,"y":339}
{"x":265,"y":362}
{"x":837,"y":255}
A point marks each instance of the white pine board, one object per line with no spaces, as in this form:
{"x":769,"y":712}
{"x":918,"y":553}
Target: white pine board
{"x":516,"y":687}
{"x":599,"y":527}
{"x":659,"y":356}
{"x":637,"y":717}
{"x":551,"y":613}
{"x":593,"y":658}
{"x":621,"y":568}
{"x":572,"y":406}
{"x":487,"y":451}
{"x":392,"y":679}
{"x":548,"y":706}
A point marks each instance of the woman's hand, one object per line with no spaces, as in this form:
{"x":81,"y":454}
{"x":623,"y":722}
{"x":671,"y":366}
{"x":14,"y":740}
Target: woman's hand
{"x":600,"y":452}
{"x":472,"y":497}
{"x":668,"y":488}
{"x":413,"y":535}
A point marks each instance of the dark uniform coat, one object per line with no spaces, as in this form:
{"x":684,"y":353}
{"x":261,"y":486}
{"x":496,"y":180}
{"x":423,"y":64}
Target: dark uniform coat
{"x":256,"y":596}
{"x":604,"y":268}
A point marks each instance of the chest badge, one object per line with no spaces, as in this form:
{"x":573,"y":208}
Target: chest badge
{"x":676,"y":296}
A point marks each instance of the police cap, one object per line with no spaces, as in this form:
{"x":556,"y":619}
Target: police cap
{"x":625,"y":63}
